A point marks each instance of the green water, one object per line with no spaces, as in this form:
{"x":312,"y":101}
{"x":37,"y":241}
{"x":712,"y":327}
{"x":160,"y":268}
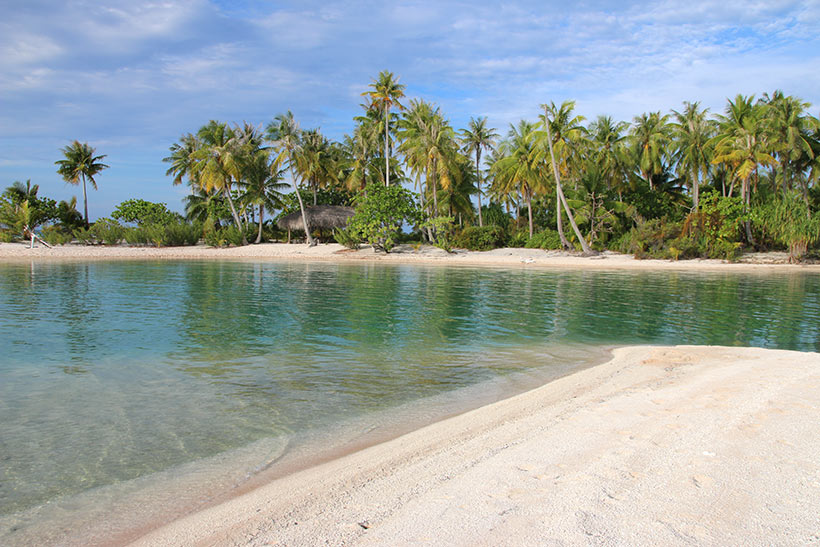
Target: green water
{"x":111,"y":372}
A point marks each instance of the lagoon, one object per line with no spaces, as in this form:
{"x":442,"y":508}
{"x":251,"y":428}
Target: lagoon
{"x":118,"y":376}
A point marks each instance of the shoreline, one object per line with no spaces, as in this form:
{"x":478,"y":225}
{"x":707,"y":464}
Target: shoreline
{"x":403,"y":254}
{"x":664,"y":445}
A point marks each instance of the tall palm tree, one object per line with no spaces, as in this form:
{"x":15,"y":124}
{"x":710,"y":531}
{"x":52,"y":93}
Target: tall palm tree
{"x":262,"y":176}
{"x":650,"y":136}
{"x":80,"y":163}
{"x":693,"y":132}
{"x":790,"y":130}
{"x":516,"y":170}
{"x":286,"y":136}
{"x":385,"y":93}
{"x":217,"y":164}
{"x":475,"y":138}
{"x":567,"y":132}
{"x":741,"y":145}
{"x":606,"y":139}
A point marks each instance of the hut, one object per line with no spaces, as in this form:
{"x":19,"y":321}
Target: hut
{"x":319,"y":217}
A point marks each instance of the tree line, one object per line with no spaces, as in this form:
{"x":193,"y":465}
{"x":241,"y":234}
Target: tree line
{"x":688,"y":182}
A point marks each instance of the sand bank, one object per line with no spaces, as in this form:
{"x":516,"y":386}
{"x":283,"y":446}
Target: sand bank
{"x":665,"y":446}
{"x":517,"y":257}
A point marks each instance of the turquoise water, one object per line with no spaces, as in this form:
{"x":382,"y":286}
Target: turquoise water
{"x":111,"y":372}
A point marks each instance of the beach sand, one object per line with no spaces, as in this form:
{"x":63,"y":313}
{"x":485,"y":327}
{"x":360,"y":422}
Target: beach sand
{"x":515,"y":257}
{"x":660,"y":446}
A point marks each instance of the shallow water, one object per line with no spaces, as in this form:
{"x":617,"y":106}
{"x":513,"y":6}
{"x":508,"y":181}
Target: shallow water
{"x":116,"y":372}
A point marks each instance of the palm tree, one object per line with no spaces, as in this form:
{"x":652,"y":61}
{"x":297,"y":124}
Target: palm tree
{"x":568,"y":129}
{"x":741,"y":145}
{"x":285,"y":135}
{"x":262,"y":186}
{"x":217,"y":164}
{"x":20,"y":192}
{"x":693,"y":132}
{"x":650,"y":135}
{"x":516,"y":170}
{"x":80,"y":163}
{"x":385,"y":94}
{"x":182,"y":159}
{"x":606,"y":139}
{"x":475,"y":138}
{"x":790,"y":128}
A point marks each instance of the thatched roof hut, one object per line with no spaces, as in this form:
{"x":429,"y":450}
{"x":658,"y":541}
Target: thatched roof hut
{"x":319,"y":217}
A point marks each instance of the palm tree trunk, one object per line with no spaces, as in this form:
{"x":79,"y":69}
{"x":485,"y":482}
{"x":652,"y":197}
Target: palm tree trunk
{"x":584,"y":245}
{"x":746,"y":193}
{"x":85,"y":203}
{"x":308,"y":237}
{"x":528,"y":197}
{"x":559,"y":216}
{"x":386,"y":146}
{"x":478,"y":178}
{"x":227,"y":192}
{"x":695,"y":188}
{"x":261,"y":220}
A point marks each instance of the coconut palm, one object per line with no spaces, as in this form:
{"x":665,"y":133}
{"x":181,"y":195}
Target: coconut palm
{"x":475,"y":138}
{"x":262,"y":176}
{"x":606,"y":139}
{"x":19,"y":192}
{"x":182,"y":159}
{"x":561,"y":143}
{"x":693,"y":132}
{"x":385,"y":93}
{"x":790,"y":129}
{"x":285,"y":135}
{"x":516,"y":170}
{"x":217,"y":164}
{"x":80,"y":163}
{"x":741,"y":145}
{"x":650,"y":137}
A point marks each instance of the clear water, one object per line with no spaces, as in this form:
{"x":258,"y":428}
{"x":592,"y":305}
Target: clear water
{"x":114,"y":372}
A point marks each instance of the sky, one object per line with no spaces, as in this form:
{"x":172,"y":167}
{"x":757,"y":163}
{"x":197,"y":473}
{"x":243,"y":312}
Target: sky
{"x":130,"y":77}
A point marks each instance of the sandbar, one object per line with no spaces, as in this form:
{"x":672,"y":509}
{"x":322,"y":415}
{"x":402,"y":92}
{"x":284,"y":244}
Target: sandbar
{"x":674,"y":445}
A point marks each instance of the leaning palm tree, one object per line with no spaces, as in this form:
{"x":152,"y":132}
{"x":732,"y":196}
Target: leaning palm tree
{"x":693,"y":132}
{"x":80,"y":163}
{"x":385,"y":93}
{"x":568,"y":129}
{"x":182,"y":159}
{"x":475,"y":138}
{"x":286,"y":137}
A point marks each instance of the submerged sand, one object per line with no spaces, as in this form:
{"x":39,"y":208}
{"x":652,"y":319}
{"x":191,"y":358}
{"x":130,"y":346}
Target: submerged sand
{"x":333,"y":252}
{"x":661,"y":445}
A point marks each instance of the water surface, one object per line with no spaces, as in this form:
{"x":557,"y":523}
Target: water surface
{"x":112,"y":372}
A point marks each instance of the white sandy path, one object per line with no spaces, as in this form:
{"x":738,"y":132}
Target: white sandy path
{"x":660,"y":446}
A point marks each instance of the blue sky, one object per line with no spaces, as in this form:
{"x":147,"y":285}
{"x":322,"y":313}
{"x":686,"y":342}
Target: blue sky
{"x":130,"y":77}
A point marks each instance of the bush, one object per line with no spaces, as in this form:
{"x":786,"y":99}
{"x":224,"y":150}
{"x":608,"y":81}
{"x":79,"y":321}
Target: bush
{"x":6,"y":236}
{"x":84,"y":235}
{"x":224,"y":237}
{"x":787,"y":220}
{"x":518,"y":239}
{"x":53,"y":235}
{"x":483,"y":238}
{"x":546,"y":239}
{"x":380,"y":213}
{"x":143,"y":212}
{"x":344,"y":237}
{"x":648,"y":239}
{"x":107,"y":231}
{"x":442,"y":230}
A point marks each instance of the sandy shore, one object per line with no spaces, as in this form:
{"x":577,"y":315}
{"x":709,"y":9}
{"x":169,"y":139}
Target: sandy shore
{"x":660,"y":446}
{"x":334,"y":252}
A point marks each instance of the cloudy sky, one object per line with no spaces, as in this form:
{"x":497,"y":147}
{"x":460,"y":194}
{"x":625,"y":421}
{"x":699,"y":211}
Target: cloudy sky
{"x":130,"y":77}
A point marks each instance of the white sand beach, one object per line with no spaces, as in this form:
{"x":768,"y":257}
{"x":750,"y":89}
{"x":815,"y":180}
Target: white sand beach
{"x":517,"y":257}
{"x":660,"y":446}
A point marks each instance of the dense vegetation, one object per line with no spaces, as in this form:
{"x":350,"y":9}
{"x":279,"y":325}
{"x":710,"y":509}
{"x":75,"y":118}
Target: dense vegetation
{"x":682,"y":184}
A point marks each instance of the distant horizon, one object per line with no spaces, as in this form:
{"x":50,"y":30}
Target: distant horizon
{"x":130,"y":79}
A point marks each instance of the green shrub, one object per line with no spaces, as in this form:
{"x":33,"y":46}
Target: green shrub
{"x":6,"y":236}
{"x":107,"y":231}
{"x":380,"y":213}
{"x":483,"y":238}
{"x":180,"y":234}
{"x":85,"y":235}
{"x":518,"y":239}
{"x":546,"y":239}
{"x":53,"y":235}
{"x":224,"y":237}
{"x":136,"y":236}
{"x":344,"y":237}
{"x":648,"y":239}
{"x":442,"y":229}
